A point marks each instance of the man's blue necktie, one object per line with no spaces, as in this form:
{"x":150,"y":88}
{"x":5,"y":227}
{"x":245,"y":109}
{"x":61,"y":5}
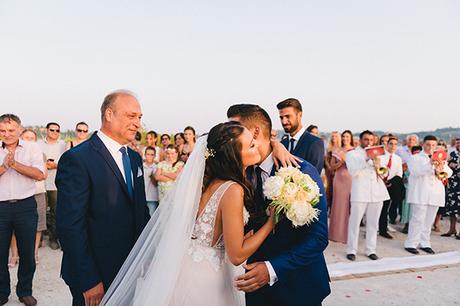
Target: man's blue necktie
{"x":292,"y":141}
{"x":127,"y":169}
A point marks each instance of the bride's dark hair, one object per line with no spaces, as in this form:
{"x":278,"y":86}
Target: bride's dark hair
{"x":224,"y":159}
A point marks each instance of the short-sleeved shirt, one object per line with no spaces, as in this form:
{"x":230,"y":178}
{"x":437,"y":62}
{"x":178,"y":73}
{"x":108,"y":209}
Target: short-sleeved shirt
{"x":16,"y":186}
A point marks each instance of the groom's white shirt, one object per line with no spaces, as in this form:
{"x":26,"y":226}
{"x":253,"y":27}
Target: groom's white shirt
{"x":266,"y":166}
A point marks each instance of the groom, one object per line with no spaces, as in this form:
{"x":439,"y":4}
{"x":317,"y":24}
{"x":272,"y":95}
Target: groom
{"x":289,"y":268}
{"x":101,"y":207}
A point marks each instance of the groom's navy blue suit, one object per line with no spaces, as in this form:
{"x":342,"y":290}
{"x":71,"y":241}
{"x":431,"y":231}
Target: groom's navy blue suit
{"x":97,"y":221}
{"x":296,"y":255}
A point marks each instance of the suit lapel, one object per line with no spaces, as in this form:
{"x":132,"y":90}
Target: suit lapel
{"x":285,"y":141}
{"x":101,"y":149}
{"x":301,"y":142}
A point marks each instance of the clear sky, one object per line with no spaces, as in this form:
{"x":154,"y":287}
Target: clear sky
{"x":389,"y":65}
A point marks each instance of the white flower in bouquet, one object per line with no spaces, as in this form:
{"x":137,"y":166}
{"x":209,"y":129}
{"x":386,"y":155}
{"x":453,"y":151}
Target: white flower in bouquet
{"x":293,"y":194}
{"x":273,"y":186}
{"x":301,"y":213}
{"x":287,"y":172}
{"x":289,"y":192}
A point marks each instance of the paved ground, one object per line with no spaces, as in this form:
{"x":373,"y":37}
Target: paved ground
{"x":439,"y":286}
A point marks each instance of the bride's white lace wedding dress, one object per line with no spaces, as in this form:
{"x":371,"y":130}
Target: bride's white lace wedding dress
{"x":175,"y":260}
{"x":206,"y":276}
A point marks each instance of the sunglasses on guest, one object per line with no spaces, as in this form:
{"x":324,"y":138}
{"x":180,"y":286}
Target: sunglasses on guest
{"x":54,"y":131}
{"x":82,"y":131}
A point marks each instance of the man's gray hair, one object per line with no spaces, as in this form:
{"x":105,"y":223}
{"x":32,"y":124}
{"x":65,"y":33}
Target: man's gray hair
{"x":9,"y":118}
{"x":110,"y":99}
{"x":412,"y":135}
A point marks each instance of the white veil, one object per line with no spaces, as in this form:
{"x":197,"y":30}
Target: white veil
{"x":150,"y":272}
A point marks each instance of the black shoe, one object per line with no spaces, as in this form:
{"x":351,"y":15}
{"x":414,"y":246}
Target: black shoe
{"x":457,"y":237}
{"x":54,"y":245}
{"x":427,"y":250}
{"x":412,"y":250}
{"x":405,"y":229}
{"x":373,"y":256}
{"x":28,"y":300}
{"x":351,"y":257}
{"x":386,"y":235}
{"x":3,"y":301}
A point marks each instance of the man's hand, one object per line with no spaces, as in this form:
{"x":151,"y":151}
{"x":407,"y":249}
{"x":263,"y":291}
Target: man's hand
{"x":51,"y":165}
{"x":93,"y":296}
{"x":256,"y":277}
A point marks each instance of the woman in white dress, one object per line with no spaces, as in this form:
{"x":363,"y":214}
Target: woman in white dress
{"x":188,"y":251}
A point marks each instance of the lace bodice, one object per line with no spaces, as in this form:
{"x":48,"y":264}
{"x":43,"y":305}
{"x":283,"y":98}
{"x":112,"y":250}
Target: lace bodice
{"x":203,"y":231}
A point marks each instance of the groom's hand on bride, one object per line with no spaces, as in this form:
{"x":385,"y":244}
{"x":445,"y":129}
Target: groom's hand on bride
{"x":256,"y":277}
{"x":93,"y":296}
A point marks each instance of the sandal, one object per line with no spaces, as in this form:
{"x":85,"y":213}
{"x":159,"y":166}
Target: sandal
{"x":448,"y":234}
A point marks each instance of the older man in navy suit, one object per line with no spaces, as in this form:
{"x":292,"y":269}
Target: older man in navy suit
{"x":289,"y":268}
{"x":298,"y":140}
{"x":101,"y":207}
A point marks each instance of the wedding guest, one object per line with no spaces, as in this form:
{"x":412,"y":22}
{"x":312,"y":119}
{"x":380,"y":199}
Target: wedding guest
{"x":405,"y":152}
{"x":441,"y":210}
{"x":53,"y":148}
{"x":81,"y":133}
{"x":376,"y":140}
{"x":333,"y":145}
{"x":367,"y":195}
{"x":340,"y":210}
{"x":453,"y":191}
{"x":355,"y":141}
{"x":425,"y":194}
{"x":136,"y":144}
{"x":179,"y":142}
{"x":384,"y":140}
{"x":21,"y":165}
{"x":151,"y":141}
{"x":453,"y":145}
{"x":395,"y":186}
{"x":165,"y":142}
{"x":151,"y":189}
{"x":313,"y":129}
{"x":40,"y":194}
{"x":405,"y":207}
{"x":40,"y":198}
{"x":298,"y":140}
{"x":189,"y":144}
{"x":167,"y":171}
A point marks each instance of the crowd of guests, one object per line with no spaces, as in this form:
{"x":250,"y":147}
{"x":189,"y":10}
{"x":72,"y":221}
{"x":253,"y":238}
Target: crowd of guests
{"x":404,"y":185}
{"x":401,"y":186}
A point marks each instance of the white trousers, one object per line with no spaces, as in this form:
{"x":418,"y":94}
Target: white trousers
{"x":357,"y":211}
{"x":420,"y":222}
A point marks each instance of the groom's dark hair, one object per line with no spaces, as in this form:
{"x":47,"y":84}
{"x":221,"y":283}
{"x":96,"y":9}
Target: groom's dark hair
{"x":250,"y":115}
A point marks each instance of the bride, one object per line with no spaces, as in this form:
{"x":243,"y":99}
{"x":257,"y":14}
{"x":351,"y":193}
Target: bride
{"x":188,"y":252}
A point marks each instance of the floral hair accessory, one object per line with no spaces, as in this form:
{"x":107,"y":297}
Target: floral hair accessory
{"x":209,"y":153}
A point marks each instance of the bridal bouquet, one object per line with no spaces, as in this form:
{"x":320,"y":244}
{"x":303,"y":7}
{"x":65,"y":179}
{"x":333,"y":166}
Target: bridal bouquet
{"x":293,"y":194}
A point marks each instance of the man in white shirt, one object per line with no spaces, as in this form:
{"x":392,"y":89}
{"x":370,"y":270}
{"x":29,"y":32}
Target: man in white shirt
{"x":395,"y":186}
{"x":151,"y":189}
{"x":21,"y":165}
{"x":368,"y":192}
{"x":53,"y":148}
{"x":426,"y":193}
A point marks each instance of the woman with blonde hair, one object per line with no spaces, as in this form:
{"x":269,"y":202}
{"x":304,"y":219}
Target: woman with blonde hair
{"x":333,"y":145}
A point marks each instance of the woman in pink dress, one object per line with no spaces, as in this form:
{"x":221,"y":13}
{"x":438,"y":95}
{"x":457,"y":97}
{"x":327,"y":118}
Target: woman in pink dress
{"x":340,"y":210}
{"x":333,"y":145}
